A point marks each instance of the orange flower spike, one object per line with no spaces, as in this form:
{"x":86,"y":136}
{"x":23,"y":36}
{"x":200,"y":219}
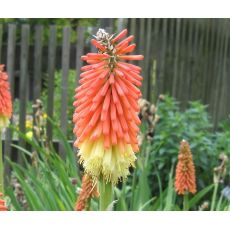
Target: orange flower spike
{"x":185,"y":180}
{"x":5,"y":99}
{"x":88,"y":191}
{"x":106,"y":115}
{"x":2,"y":204}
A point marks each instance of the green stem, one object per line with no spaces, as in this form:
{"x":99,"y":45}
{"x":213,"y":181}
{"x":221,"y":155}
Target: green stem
{"x":214,"y":196}
{"x":106,"y":195}
{"x":186,"y":202}
{"x":1,"y":166}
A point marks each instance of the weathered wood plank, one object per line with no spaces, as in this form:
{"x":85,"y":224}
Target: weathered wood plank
{"x":195,"y":56}
{"x":133,"y":31}
{"x":224,"y":94}
{"x":24,"y":76}
{"x":79,"y":51}
{"x":206,"y":58}
{"x":64,"y":83}
{"x":210,"y":63}
{"x":141,"y":46}
{"x":182,"y":61}
{"x":170,"y":58}
{"x":37,"y":76}
{"x":120,"y":24}
{"x":38,"y":62}
{"x":220,"y":69}
{"x":148,"y":60}
{"x":133,"y":26}
{"x":161,"y":56}
{"x":189,"y":62}
{"x":154,"y":49}
{"x":51,"y":73}
{"x":214,"y":98}
{"x":176,"y":58}
{"x":10,"y":70}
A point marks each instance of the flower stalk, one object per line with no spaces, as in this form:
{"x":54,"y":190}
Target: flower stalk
{"x":186,"y":202}
{"x":106,"y":195}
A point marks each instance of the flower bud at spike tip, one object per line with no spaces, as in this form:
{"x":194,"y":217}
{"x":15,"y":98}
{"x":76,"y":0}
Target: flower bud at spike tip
{"x":5,"y":99}
{"x":185,"y":180}
{"x":106,"y":108}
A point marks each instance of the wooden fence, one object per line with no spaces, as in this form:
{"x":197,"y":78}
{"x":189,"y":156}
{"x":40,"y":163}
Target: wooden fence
{"x":186,"y":58}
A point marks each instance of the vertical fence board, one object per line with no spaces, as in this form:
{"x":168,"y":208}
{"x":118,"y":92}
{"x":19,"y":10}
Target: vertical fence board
{"x":64,"y":84}
{"x":51,"y":73}
{"x":197,"y":91}
{"x":167,"y":86}
{"x":24,"y":76}
{"x":148,"y":59}
{"x":215,"y":100}
{"x":220,"y":73}
{"x":154,"y":49}
{"x":187,"y":81}
{"x":206,"y":57}
{"x":120,"y":24}
{"x":133,"y":26}
{"x":142,"y":39}
{"x":132,"y":29}
{"x":141,"y":45}
{"x":10,"y":70}
{"x":223,"y":94}
{"x":182,"y":62}
{"x":196,"y":64}
{"x":79,"y":51}
{"x":210,"y":64}
{"x":176,"y":58}
{"x":37,"y":76}
{"x":161,"y":57}
{"x":38,"y":62}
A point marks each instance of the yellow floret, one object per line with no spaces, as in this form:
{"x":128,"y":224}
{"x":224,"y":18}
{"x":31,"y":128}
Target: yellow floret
{"x":112,"y":163}
{"x":4,"y":122}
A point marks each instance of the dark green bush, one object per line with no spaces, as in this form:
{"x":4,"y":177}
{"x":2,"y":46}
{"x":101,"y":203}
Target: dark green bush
{"x":194,"y":125}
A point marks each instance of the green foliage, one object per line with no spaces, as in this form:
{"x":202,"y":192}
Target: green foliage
{"x":45,"y":178}
{"x":193,"y":125}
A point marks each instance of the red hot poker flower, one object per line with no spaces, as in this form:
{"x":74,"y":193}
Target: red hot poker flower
{"x":2,"y":204}
{"x":89,"y":190}
{"x":185,"y":180}
{"x":5,"y":99}
{"x":106,"y":114}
